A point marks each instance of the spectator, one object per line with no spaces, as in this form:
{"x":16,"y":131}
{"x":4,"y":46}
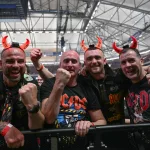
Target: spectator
{"x":19,"y":107}
{"x":40,"y":80}
{"x":138,"y":100}
{"x":65,"y":103}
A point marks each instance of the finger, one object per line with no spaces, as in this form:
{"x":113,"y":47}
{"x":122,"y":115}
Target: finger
{"x":22,"y":143}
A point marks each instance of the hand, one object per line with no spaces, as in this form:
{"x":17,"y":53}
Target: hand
{"x":14,"y":138}
{"x":62,"y":76}
{"x":83,"y":71}
{"x":28,"y":94}
{"x":35,"y":55}
{"x":82,"y":127}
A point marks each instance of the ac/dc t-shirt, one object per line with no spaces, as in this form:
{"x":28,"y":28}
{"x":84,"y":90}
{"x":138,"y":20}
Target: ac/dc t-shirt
{"x":138,"y":101}
{"x":73,"y":103}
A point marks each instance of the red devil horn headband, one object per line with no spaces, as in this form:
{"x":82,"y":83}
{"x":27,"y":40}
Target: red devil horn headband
{"x":7,"y":45}
{"x":98,"y":45}
{"x":132,"y":46}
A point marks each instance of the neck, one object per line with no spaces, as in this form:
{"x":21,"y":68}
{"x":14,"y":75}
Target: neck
{"x":99,"y":76}
{"x":72,"y":82}
{"x":141,"y":76}
{"x":9,"y":83}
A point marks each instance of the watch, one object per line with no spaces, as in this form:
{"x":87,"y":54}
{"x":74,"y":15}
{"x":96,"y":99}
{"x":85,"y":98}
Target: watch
{"x":35,"y":108}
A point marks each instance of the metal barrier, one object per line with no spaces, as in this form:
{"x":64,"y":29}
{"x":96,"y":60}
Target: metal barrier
{"x":97,"y":131}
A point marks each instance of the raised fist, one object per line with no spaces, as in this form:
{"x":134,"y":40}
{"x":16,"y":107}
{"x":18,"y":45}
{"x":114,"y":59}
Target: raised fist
{"x":62,"y":76}
{"x":28,"y":94}
{"x":35,"y":54}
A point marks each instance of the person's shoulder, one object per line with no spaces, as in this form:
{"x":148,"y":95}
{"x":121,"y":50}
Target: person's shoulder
{"x":29,"y":79}
{"x":84,"y":79}
{"x":49,"y":81}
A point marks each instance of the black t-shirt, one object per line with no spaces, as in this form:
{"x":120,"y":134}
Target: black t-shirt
{"x":138,"y":101}
{"x":74,"y":103}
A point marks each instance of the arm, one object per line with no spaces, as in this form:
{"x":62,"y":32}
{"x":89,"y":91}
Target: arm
{"x":13,"y":137}
{"x":82,"y":127}
{"x":35,"y":56}
{"x":28,"y":95}
{"x":51,"y":105}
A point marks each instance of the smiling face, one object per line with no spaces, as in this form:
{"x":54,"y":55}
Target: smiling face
{"x":13,"y":64}
{"x":70,"y":61}
{"x":131,"y":65}
{"x":94,"y":61}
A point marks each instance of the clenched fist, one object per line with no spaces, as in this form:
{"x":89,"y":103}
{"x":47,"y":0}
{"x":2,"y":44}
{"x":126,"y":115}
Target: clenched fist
{"x":62,"y":76}
{"x":35,"y":55}
{"x":14,"y":138}
{"x":28,"y":94}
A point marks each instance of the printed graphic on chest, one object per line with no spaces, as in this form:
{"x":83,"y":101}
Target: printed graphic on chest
{"x":73,"y":101}
{"x":114,"y":88}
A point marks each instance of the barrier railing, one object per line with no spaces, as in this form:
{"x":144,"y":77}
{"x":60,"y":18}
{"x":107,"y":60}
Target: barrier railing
{"x":97,"y":130}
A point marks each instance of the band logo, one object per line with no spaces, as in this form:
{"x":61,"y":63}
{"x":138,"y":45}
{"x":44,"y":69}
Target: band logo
{"x":114,"y":98}
{"x":141,"y":98}
{"x":68,"y":102}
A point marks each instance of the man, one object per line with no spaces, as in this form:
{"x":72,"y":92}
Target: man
{"x":19,"y":107}
{"x":65,"y":99}
{"x":138,"y":94}
{"x":39,"y":80}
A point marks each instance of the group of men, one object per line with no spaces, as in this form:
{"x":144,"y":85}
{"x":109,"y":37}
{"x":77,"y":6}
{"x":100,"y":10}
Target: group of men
{"x":70,"y":99}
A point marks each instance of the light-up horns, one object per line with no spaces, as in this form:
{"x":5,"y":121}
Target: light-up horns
{"x":132,"y":46}
{"x":7,"y":45}
{"x":98,"y":45}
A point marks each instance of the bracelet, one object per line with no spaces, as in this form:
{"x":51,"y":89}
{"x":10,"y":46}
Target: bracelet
{"x":41,"y":67}
{"x":92,"y":124}
{"x":6,"y":129}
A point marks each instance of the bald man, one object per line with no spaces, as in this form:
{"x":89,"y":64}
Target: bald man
{"x":65,"y":102}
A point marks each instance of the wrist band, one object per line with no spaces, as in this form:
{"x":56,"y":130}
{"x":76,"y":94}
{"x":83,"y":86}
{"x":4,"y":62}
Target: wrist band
{"x":6,"y":129}
{"x":92,"y":124}
{"x":41,"y":67}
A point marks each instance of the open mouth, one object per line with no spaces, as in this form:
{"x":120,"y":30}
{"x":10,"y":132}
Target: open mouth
{"x":14,"y":74}
{"x":130,"y":71}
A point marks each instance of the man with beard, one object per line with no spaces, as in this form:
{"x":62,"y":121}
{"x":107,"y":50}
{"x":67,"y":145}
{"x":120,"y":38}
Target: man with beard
{"x":19,"y":107}
{"x":65,"y":103}
{"x":138,"y":101}
{"x":110,"y":87}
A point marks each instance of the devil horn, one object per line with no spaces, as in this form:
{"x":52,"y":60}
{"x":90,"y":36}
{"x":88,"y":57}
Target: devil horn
{"x":117,"y":49}
{"x":83,"y":45}
{"x":99,"y":44}
{"x":4,"y":42}
{"x":25,"y":45}
{"x":134,"y":44}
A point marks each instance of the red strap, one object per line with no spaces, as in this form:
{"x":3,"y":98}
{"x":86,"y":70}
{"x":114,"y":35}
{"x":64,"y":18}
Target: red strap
{"x":6,"y":129}
{"x":41,"y":67}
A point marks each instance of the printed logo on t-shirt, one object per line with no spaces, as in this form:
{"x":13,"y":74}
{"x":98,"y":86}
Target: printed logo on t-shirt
{"x":72,"y":109}
{"x":138,"y":103}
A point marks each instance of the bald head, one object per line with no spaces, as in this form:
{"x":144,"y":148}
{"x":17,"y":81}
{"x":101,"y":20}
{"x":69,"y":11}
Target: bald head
{"x":70,"y":61}
{"x":70,"y":52}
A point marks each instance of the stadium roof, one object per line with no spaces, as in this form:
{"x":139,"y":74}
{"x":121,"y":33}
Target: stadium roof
{"x":48,"y":21}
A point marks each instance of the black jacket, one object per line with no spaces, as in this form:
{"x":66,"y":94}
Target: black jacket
{"x":110,"y":92}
